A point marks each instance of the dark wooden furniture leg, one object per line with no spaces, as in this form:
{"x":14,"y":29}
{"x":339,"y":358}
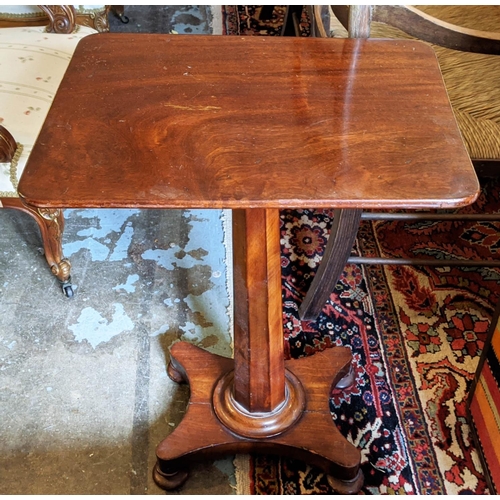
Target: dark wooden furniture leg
{"x":338,"y":249}
{"x":258,"y":402}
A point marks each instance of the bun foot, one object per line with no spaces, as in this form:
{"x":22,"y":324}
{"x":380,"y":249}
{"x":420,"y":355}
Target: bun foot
{"x":176,"y":372}
{"x":171,"y":480}
{"x":346,"y":381}
{"x":344,"y":487}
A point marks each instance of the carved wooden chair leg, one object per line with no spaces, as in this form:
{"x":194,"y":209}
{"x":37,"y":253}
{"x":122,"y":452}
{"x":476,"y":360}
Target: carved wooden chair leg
{"x":338,"y":249}
{"x":51,"y":224}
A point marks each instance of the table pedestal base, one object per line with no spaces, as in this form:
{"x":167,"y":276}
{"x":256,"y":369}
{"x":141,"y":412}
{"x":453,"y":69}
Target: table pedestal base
{"x":309,"y":435}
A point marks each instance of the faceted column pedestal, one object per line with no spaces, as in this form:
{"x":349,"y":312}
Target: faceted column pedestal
{"x":258,"y":402}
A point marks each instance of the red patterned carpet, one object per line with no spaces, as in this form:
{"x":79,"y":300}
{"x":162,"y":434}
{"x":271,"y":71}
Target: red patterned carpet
{"x":416,"y":334}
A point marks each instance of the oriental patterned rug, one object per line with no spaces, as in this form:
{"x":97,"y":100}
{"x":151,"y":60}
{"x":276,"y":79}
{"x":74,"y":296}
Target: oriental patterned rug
{"x":416,"y":334}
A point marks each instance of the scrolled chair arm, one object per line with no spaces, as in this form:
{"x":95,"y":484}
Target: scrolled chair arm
{"x":8,"y":145}
{"x":62,"y":18}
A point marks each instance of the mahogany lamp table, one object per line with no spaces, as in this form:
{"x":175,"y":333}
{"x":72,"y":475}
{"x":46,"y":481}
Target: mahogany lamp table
{"x":252,"y":124}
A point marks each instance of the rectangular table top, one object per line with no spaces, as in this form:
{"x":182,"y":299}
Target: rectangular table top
{"x":193,"y":121}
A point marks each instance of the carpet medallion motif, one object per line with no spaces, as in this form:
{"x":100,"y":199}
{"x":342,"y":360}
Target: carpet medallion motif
{"x":416,"y":334}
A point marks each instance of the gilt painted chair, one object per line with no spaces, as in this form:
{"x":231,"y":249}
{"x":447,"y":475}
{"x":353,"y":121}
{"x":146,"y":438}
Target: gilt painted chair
{"x":33,"y":61}
{"x":92,"y":16}
{"x":463,"y":54}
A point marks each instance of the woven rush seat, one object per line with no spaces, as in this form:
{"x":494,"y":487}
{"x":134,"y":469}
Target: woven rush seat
{"x":472,"y":80}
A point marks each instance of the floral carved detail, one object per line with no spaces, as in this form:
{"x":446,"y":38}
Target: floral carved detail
{"x":62,"y":18}
{"x":96,"y":20}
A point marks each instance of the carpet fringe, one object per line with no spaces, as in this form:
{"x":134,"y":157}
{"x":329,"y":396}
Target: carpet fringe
{"x":242,"y":473}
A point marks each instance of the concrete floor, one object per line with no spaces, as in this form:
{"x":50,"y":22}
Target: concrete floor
{"x":84,"y":395}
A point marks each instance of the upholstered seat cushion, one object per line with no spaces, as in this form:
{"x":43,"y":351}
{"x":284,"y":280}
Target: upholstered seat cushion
{"x":32,"y":65}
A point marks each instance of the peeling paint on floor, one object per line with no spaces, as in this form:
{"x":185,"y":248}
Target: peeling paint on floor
{"x":101,"y":232}
{"x":97,"y":340}
{"x":129,"y":285}
{"x":94,"y":328}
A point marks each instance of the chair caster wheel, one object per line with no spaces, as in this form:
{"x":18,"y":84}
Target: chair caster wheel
{"x":67,"y":289}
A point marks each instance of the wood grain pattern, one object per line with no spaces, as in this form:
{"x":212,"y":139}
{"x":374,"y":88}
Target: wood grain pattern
{"x":259,"y":382}
{"x":207,"y":121}
{"x":223,"y":122}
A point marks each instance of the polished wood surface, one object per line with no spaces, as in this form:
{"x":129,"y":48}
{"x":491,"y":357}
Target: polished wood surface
{"x":259,"y":384}
{"x":8,"y":145}
{"x":208,"y":121}
{"x":357,"y":20}
{"x":314,"y":439}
